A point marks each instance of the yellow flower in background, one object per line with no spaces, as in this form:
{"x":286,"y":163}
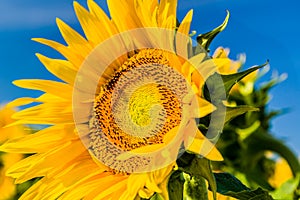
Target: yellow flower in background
{"x":224,"y":63}
{"x":104,"y":121}
{"x":228,"y":66}
{"x":7,"y":186}
{"x":282,"y":173}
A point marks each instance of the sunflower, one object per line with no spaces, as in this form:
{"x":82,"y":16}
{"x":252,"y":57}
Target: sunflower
{"x":224,"y":63}
{"x":229,"y":66}
{"x":282,"y":173}
{"x":126,"y":109}
{"x":7,"y":186}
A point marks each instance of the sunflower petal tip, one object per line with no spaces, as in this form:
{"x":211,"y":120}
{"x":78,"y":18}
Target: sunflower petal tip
{"x":76,"y":4}
{"x":38,"y":55}
{"x":18,"y":82}
{"x":90,"y":1}
{"x":15,"y":82}
{"x":10,"y":105}
{"x":213,"y":107}
{"x":215,"y":156}
{"x":39,"y":40}
{"x":78,"y":8}
{"x":59,"y":22}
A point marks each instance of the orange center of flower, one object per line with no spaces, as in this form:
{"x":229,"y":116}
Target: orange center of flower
{"x":137,"y":107}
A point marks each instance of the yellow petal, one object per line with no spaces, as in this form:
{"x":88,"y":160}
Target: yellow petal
{"x":40,"y":141}
{"x":72,"y":55}
{"x":88,"y":23}
{"x":171,"y":135}
{"x":41,"y":164}
{"x":49,"y":98}
{"x":89,"y":188}
{"x":195,"y":61}
{"x":168,"y":138}
{"x":19,"y":168}
{"x":124,"y":11}
{"x":109,"y":28}
{"x":145,"y":193}
{"x":164,"y":187}
{"x":206,"y":68}
{"x":136,"y":182}
{"x":46,"y":113}
{"x":172,"y":6}
{"x":185,"y":25}
{"x":111,"y":190}
{"x":32,"y":192}
{"x":167,"y":10}
{"x":53,"y":87}
{"x":75,"y":173}
{"x":222,"y":63}
{"x":191,"y":65}
{"x":152,"y":184}
{"x":21,"y":101}
{"x":205,"y":107}
{"x":144,"y":12}
{"x":197,"y":107}
{"x":74,"y":39}
{"x":205,"y":148}
{"x":163,"y":13}
{"x":61,"y":68}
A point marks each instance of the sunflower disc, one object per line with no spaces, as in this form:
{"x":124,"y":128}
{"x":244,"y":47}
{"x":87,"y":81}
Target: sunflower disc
{"x":137,"y":97}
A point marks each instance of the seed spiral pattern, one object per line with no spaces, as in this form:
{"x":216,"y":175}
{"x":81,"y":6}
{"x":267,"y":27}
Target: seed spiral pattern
{"x":136,"y":108}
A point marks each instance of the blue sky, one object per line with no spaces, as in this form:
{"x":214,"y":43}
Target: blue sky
{"x":261,"y":29}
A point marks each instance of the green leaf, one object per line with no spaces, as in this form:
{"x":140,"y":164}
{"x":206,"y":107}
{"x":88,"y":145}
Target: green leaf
{"x":230,"y":186}
{"x":227,"y":182}
{"x":216,"y":91}
{"x":231,"y":79}
{"x":258,"y":194}
{"x":218,"y":86}
{"x":206,"y":38}
{"x":232,"y":112}
{"x":198,"y":167}
{"x":157,"y":197}
{"x":175,"y":186}
{"x":245,"y":132}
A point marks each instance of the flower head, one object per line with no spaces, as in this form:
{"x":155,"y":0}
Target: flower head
{"x":282,"y":173}
{"x":126,"y":109}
